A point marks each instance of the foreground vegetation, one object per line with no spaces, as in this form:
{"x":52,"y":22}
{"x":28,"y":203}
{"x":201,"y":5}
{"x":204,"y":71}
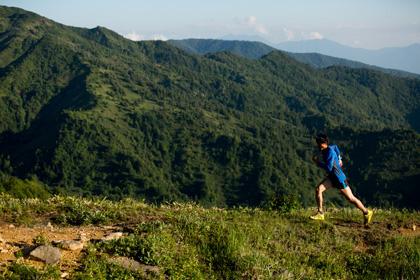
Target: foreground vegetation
{"x":187,"y":241}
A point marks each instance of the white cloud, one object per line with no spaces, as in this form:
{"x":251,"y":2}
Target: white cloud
{"x":290,"y":35}
{"x":356,"y":43}
{"x":316,"y":35}
{"x":252,"y":22}
{"x":159,"y":37}
{"x":133,"y":36}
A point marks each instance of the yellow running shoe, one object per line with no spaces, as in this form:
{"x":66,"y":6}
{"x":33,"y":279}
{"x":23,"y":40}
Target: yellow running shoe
{"x":368,"y":217}
{"x":318,"y":216}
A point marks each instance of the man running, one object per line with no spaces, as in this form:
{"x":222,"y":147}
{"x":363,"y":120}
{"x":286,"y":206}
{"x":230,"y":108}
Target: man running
{"x":336,"y":178}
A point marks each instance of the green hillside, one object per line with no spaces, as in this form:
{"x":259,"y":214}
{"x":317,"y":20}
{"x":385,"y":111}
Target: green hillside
{"x":87,"y":112}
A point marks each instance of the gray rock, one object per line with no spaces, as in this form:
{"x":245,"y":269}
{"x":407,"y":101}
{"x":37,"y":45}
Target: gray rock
{"x":112,"y":236}
{"x":47,"y":254}
{"x":49,"y":226}
{"x":72,"y":245}
{"x":83,"y":237}
{"x":133,"y":265}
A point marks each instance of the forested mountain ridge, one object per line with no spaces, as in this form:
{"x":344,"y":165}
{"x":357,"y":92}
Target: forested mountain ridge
{"x":92,"y":113}
{"x":255,"y":50}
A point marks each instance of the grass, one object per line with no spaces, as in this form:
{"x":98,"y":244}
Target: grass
{"x":187,"y":241}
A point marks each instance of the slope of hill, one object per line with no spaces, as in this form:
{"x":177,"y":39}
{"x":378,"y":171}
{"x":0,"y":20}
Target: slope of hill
{"x":89,"y":112}
{"x":404,"y":58}
{"x":132,"y":240}
{"x":255,"y":50}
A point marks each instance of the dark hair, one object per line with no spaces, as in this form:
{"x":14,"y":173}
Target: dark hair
{"x":321,"y":138}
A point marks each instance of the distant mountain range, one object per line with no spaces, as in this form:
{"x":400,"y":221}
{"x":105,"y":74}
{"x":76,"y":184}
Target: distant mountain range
{"x":243,"y":37}
{"x":401,"y":58}
{"x":257,"y":49}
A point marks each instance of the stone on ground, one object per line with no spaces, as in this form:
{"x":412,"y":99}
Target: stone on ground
{"x":133,"y":265}
{"x":72,"y":245}
{"x":83,"y":237}
{"x":47,"y":254}
{"x":112,"y":236}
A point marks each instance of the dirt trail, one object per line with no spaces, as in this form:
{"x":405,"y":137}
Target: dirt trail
{"x":20,"y":238}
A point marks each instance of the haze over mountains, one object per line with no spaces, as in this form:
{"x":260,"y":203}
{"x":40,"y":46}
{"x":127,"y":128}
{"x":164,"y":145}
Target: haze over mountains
{"x":88,"y":112}
{"x":401,"y":58}
{"x":255,"y":49}
{"x":405,"y":59}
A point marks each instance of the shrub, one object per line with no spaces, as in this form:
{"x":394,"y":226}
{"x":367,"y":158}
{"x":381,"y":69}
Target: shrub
{"x":284,"y":203}
{"x":18,"y":271}
{"x":28,"y":188}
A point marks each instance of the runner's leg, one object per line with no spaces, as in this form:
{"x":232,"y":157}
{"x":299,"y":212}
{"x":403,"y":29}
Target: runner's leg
{"x":348,"y":194}
{"x":323,"y":186}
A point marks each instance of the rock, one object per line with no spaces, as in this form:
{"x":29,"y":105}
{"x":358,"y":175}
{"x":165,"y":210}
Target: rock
{"x":50,"y":226}
{"x":112,"y":236}
{"x":109,"y":227}
{"x":11,"y":226}
{"x":414,"y":227}
{"x":127,"y":263}
{"x":47,"y":254}
{"x":83,"y":237}
{"x":65,"y":275}
{"x":133,"y":265}
{"x":72,"y":245}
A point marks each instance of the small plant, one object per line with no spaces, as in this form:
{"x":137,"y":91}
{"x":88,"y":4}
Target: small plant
{"x":19,"y":254}
{"x":284,"y":203}
{"x":18,"y":271}
{"x":40,"y":240}
{"x":148,"y":227}
{"x":77,"y":211}
{"x":148,"y":249}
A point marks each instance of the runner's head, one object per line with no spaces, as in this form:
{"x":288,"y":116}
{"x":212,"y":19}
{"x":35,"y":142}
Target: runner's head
{"x":322,"y":140}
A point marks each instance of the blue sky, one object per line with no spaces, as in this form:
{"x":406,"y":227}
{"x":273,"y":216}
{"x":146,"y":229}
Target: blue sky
{"x":366,"y":24}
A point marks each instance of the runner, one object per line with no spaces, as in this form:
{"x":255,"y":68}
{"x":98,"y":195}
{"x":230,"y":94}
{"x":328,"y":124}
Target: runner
{"x":335,"y":178}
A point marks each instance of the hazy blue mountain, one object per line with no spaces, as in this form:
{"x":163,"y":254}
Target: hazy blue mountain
{"x":243,"y":37}
{"x":254,"y":50}
{"x":401,"y":58}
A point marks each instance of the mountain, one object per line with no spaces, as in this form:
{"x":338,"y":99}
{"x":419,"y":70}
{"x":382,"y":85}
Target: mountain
{"x":402,"y":58}
{"x":255,"y":50}
{"x":248,"y":49}
{"x":251,"y":38}
{"x":88,"y":112}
